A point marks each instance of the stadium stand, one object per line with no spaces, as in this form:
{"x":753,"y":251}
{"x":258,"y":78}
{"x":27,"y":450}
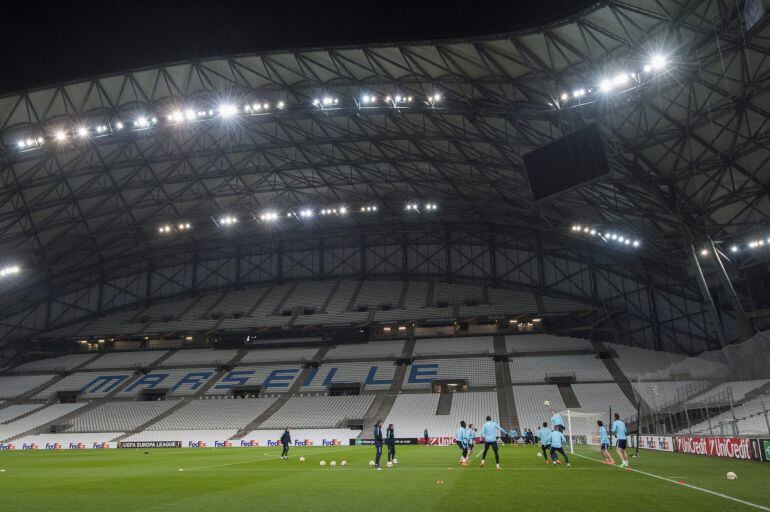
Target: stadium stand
{"x":119,"y":416}
{"x":373,"y":349}
{"x":14,"y":411}
{"x":239,"y":301}
{"x":319,"y":412}
{"x":37,"y":419}
{"x":662,"y":393}
{"x":727,"y":392}
{"x":198,"y":357}
{"x":379,"y":293}
{"x":309,"y":295}
{"x":639,"y":363}
{"x":125,"y":360}
{"x":11,"y":387}
{"x":413,"y":413}
{"x":371,"y":375}
{"x":746,"y":419}
{"x":272,"y":355}
{"x":214,"y":414}
{"x":54,"y":364}
{"x":177,"y":381}
{"x":537,"y":369}
{"x":201,"y":306}
{"x":273,"y":378}
{"x":89,"y":384}
{"x":530,"y":408}
{"x":602,"y":397}
{"x":478,"y":371}
{"x":453,"y":346}
{"x":456,"y":294}
{"x":544,"y":343}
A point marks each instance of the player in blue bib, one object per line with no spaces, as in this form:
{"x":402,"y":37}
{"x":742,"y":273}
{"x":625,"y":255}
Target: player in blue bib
{"x":605,"y":443}
{"x":489,"y":432}
{"x":544,"y":434}
{"x":621,"y":434}
{"x":460,"y":440}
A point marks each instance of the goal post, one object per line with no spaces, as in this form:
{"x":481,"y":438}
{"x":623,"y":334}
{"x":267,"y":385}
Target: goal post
{"x":581,"y":430}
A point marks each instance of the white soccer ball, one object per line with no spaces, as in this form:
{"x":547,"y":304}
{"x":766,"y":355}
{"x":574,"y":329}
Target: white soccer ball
{"x":323,"y":463}
{"x":395,"y":461}
{"x":371,"y":463}
{"x":539,"y":454}
{"x":389,"y":464}
{"x":333,"y":463}
{"x":731,"y":476}
{"x":302,"y":459}
{"x":344,"y":463}
{"x":546,"y":403}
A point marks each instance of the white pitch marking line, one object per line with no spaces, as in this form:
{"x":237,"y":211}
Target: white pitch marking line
{"x":701,"y":489}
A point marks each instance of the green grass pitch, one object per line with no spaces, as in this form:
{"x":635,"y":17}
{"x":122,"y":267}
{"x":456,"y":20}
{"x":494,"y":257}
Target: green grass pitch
{"x":253,"y":479}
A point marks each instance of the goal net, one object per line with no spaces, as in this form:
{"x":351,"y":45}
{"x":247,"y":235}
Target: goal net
{"x":581,"y":430}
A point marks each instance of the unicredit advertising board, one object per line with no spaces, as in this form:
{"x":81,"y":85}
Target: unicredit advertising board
{"x":727,"y":447}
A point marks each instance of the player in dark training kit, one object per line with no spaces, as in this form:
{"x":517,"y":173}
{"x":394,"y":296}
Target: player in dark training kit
{"x":285,"y":442}
{"x":378,"y":442}
{"x":390,"y":440}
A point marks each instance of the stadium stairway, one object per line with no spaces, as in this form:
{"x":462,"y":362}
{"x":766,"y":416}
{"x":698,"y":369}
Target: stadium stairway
{"x":274,"y":407}
{"x":278,"y":307}
{"x":214,"y":304}
{"x":156,"y":363}
{"x":260,"y":300}
{"x":408,"y":349}
{"x":505,"y":402}
{"x":444,"y":406}
{"x":354,"y":296}
{"x":383,"y":402}
{"x":568,"y":396}
{"x":617,"y":374}
{"x":329,"y":297}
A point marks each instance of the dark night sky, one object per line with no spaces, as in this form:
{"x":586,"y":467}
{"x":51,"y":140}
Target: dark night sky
{"x":43,"y":43}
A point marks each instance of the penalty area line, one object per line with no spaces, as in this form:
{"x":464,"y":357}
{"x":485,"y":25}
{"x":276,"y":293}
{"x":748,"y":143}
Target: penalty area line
{"x":694,"y":487}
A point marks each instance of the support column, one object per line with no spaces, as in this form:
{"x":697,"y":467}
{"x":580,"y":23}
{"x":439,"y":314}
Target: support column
{"x":745,"y":328}
{"x":704,"y":289}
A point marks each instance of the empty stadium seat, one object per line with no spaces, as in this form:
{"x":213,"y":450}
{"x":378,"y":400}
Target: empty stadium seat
{"x":318,"y":412}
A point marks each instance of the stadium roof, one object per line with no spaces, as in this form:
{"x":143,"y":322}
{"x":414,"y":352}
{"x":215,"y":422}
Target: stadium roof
{"x":688,"y":141}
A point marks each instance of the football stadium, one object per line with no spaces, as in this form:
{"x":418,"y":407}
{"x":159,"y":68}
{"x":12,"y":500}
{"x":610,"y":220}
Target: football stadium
{"x":523,"y":270}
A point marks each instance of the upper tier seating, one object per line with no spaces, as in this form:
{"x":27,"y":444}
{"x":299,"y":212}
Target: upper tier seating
{"x":478,"y":371}
{"x":178,"y":381}
{"x":11,"y":387}
{"x":536,"y":369}
{"x":380,"y":377}
{"x":125,"y":360}
{"x":453,"y":346}
{"x":272,"y":378}
{"x":750,"y":420}
{"x":119,"y":416}
{"x":214,"y":414}
{"x":319,"y":412}
{"x":239,"y":301}
{"x":309,"y":295}
{"x":544,"y":343}
{"x":54,"y":364}
{"x":201,"y":306}
{"x":411,"y":414}
{"x":603,"y":397}
{"x":271,"y":355}
{"x":729,"y":392}
{"x":652,"y":364}
{"x":373,"y":349}
{"x":379,"y":293}
{"x":89,"y":384}
{"x":199,"y":356}
{"x":663,"y":393}
{"x":37,"y":419}
{"x":457,"y":294}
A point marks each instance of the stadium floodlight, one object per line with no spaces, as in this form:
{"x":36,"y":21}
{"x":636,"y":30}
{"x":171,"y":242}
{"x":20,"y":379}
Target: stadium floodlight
{"x":22,"y":144}
{"x":269,"y":216}
{"x":328,"y":100}
{"x":82,"y":132}
{"x":228,"y":221}
{"x":189,"y":114}
{"x":431,"y":206}
{"x":281,"y":105}
{"x":227,"y":110}
{"x":704,"y":252}
{"x":636,"y":243}
{"x":119,"y":125}
{"x":398,"y":99}
{"x":734,"y":248}
{"x":605,"y":85}
{"x":343,"y":210}
{"x":9,"y":271}
{"x":306,"y":213}
{"x":620,"y":79}
{"x":586,"y":229}
{"x":142,"y":122}
{"x":592,"y":232}
{"x":657,"y":62}
{"x":579,"y":93}
{"x":316,"y":102}
{"x":60,"y":136}
{"x":176,"y":116}
{"x":564,"y":96}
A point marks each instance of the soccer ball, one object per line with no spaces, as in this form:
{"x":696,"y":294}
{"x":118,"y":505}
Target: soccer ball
{"x":390,"y":464}
{"x":371,"y":463}
{"x":302,"y":459}
{"x":546,"y":403}
{"x":731,"y":476}
{"x":333,"y":463}
{"x":323,"y":463}
{"x":344,"y":463}
{"x":539,"y":454}
{"x":395,"y":461}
